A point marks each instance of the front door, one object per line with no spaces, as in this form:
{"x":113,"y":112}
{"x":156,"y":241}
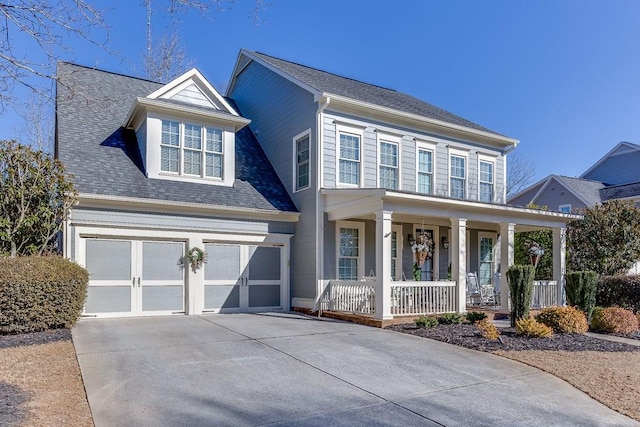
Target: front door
{"x":243,"y":278}
{"x":132,"y":278}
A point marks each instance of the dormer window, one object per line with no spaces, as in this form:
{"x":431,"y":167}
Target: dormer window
{"x":183,"y":153}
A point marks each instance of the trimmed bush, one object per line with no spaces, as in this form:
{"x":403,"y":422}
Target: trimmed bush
{"x":451,"y":319}
{"x":520,"y":279}
{"x":620,"y":291}
{"x":488,"y":329}
{"x":426,"y":322}
{"x":614,"y":320}
{"x":39,"y":293}
{"x":564,"y":320}
{"x":533,"y":329}
{"x":475,"y":316}
{"x":581,"y":289}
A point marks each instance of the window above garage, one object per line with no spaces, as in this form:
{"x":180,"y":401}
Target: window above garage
{"x":186,"y":131}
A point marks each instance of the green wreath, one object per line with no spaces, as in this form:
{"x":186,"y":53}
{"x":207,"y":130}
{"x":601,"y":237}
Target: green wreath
{"x":197,"y":258}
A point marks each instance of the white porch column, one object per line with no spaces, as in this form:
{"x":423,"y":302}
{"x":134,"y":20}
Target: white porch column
{"x":383,"y":265}
{"x":507,"y":237}
{"x":194,"y":286}
{"x":459,"y":259}
{"x":559,"y":259}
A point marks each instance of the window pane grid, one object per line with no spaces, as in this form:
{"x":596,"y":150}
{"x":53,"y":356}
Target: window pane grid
{"x":486,"y":181}
{"x":457,"y":176}
{"x":349,"y":164}
{"x":214,"y":140}
{"x":170,"y":133}
{"x":169,"y":159}
{"x":388,"y":177}
{"x":302,"y":159}
{"x":193,"y":137}
{"x":348,"y":254}
{"x":425,"y":171}
{"x":213,"y":166}
{"x":192,"y":162}
{"x":388,"y":165}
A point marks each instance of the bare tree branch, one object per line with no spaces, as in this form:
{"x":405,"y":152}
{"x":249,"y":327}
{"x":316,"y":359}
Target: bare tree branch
{"x":520,"y":173}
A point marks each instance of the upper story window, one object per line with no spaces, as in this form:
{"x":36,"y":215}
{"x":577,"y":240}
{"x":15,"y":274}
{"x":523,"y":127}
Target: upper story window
{"x":182,"y":151}
{"x":457,"y":176}
{"x":349,"y":159}
{"x":565,"y":208}
{"x":388,"y":164}
{"x":301,"y":147}
{"x":486,"y":181}
{"x":425,"y":170}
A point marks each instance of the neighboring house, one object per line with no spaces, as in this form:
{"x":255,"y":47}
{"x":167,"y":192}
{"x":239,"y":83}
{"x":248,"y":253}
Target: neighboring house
{"x":615,"y":176}
{"x":331,"y":181}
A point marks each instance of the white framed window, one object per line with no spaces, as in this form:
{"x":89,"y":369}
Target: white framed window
{"x":301,"y":159}
{"x":388,"y":162}
{"x":457,"y":174}
{"x":486,"y":179}
{"x":565,"y":208}
{"x":396,"y":252}
{"x":425,"y":157}
{"x":349,"y":156}
{"x":182,"y":151}
{"x":350,"y":250}
{"x":486,"y":258}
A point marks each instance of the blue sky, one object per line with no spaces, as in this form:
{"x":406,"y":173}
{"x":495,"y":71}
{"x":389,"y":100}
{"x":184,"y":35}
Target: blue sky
{"x":563,"y":77}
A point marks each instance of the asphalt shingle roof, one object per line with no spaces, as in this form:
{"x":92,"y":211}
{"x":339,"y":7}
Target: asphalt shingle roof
{"x":334,"y":84}
{"x":586,"y":189}
{"x":620,"y":191}
{"x":105,"y":158}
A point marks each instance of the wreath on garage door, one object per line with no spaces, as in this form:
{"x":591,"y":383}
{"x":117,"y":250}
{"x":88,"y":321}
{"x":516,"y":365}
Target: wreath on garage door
{"x":197,"y":258}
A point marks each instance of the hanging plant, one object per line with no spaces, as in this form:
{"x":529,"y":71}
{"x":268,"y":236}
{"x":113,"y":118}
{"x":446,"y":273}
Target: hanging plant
{"x":197,"y":258}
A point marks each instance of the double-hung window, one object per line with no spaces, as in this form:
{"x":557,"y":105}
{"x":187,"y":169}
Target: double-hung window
{"x":457,"y":176}
{"x":425,"y":170}
{"x":302,"y":162}
{"x":486,"y":181}
{"x":186,"y":147}
{"x":350,"y":250}
{"x":349,"y":159}
{"x":388,"y":165}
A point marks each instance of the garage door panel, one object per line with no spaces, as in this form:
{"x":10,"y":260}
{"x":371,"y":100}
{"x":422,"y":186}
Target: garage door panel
{"x":161,"y":298}
{"x":264,"y":296}
{"x":108,"y":259}
{"x":108,"y":299}
{"x":264,"y":263}
{"x":162,"y":261}
{"x":221,"y":296}
{"x":223,"y":262}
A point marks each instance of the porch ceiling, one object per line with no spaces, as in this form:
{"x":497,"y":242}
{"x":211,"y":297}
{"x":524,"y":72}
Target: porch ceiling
{"x":343,"y":203}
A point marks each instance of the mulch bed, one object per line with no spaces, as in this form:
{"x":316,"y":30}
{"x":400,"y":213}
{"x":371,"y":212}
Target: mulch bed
{"x":51,"y":335}
{"x":470,"y":337}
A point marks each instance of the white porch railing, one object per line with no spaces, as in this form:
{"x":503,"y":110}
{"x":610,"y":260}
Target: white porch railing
{"x":545,"y":294}
{"x":418,"y":298}
{"x":349,"y":296}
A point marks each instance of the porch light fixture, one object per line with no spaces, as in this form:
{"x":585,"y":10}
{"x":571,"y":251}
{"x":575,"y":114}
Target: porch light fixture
{"x":445,"y":242}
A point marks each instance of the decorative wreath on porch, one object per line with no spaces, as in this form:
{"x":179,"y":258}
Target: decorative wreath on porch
{"x":197,"y":258}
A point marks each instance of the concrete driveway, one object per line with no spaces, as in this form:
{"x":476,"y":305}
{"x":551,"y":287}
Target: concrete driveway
{"x":290,"y":369}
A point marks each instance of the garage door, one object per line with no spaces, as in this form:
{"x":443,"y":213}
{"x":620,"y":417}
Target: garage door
{"x":243,"y":278}
{"x":131,"y":278}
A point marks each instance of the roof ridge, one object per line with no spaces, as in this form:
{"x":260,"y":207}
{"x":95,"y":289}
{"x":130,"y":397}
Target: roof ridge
{"x":327,"y":72}
{"x":621,"y":185}
{"x":577,"y":178}
{"x":108,"y":72}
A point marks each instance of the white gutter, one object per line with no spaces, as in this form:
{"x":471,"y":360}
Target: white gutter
{"x":323,"y":103}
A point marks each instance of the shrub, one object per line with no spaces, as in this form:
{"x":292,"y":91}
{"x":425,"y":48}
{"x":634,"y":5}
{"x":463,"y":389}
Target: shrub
{"x":488,"y":329}
{"x":475,"y":316}
{"x":614,"y":320}
{"x":621,"y":291}
{"x":520,"y":287}
{"x":426,"y":322}
{"x":564,"y":320}
{"x":451,"y":319}
{"x":533,"y":329}
{"x":40,"y":292}
{"x":581,"y":289}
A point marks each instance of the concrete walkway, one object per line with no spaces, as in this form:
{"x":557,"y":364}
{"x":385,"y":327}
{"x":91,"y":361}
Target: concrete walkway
{"x":290,"y":369}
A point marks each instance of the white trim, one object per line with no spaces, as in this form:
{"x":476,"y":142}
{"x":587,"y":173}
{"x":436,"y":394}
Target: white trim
{"x":456,"y":152}
{"x":389,"y":139}
{"x":494,"y":267}
{"x":492,"y":160}
{"x":359,"y":132}
{"x":426,"y":146}
{"x":397,"y":228}
{"x":296,"y":139}
{"x":361,"y":245}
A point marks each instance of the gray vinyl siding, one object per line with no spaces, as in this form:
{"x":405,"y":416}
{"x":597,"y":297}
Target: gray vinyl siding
{"x":192,"y":95}
{"x":408,"y":164}
{"x":280,"y":110}
{"x":525,"y":198}
{"x":555,"y":195}
{"x":136,"y":220}
{"x":370,"y":159}
{"x":442,"y":171}
{"x":617,"y":169}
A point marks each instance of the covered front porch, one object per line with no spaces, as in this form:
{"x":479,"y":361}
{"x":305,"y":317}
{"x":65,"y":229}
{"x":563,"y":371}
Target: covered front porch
{"x":374,"y":235}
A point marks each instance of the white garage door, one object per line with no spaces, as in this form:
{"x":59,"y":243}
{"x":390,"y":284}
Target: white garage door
{"x":130,"y":278}
{"x":243,"y":278}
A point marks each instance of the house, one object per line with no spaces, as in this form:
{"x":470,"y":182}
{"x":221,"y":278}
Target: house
{"x":614,"y":176}
{"x":336,"y":188}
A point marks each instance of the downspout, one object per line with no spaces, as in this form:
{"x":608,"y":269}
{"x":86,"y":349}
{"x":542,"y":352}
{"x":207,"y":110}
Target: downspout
{"x":323,"y":103}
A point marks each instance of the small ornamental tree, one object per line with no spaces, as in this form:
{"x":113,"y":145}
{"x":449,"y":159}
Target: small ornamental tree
{"x":606,"y":240}
{"x":35,"y":197}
